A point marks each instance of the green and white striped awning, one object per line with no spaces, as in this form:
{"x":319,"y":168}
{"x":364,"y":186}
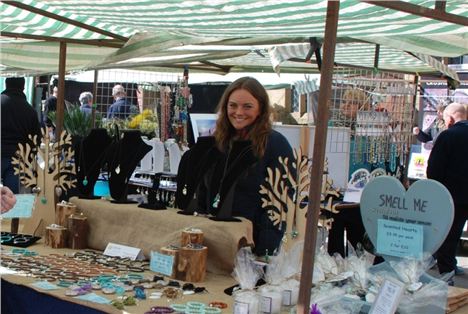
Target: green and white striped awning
{"x":217,"y":35}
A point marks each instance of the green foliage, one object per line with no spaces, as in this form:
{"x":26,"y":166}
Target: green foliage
{"x":76,"y":122}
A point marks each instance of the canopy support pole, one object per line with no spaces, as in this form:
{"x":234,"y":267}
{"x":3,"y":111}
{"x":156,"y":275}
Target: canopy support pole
{"x":318,"y":156}
{"x":376,"y":56}
{"x":95,"y":91}
{"x":61,"y":90}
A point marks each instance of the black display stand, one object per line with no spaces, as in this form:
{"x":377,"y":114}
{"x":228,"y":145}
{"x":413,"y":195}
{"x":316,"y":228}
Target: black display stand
{"x":240,"y":159}
{"x":125,"y":154}
{"x":18,"y":239}
{"x":153,"y":203}
{"x":191,"y":170}
{"x":216,"y":178}
{"x":90,"y":158}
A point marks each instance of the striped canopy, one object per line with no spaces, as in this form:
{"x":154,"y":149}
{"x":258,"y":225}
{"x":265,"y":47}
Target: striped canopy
{"x":222,"y":35}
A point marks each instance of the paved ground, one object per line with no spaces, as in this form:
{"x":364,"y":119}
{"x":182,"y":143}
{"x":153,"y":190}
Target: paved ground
{"x":462,"y":257}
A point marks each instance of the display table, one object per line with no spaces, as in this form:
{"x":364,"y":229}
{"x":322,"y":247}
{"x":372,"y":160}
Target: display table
{"x":150,"y":230}
{"x":19,"y":295}
{"x":18,"y":289}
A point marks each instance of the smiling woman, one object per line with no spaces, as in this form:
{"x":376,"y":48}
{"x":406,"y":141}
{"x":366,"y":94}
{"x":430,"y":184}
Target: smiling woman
{"x":244,"y":147}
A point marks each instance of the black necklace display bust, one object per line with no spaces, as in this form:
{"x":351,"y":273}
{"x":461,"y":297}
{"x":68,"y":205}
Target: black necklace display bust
{"x":91,"y":156}
{"x":216,"y":176}
{"x":192,"y":167}
{"x":125,"y":154}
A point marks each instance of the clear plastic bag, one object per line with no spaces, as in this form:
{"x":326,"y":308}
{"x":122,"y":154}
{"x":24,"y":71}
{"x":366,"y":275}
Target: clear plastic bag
{"x":247,"y":273}
{"x":423,"y":293}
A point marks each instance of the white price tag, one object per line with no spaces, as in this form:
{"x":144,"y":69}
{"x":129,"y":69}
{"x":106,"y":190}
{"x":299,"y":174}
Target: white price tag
{"x":287,"y":297}
{"x":114,"y":249}
{"x":241,"y":308}
{"x":265,"y":305}
{"x":388,"y":298}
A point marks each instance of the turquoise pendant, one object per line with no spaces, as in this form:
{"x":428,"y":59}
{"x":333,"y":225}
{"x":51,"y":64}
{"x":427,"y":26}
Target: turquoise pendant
{"x":216,"y":201}
{"x":43,"y":200}
{"x":85,"y":181}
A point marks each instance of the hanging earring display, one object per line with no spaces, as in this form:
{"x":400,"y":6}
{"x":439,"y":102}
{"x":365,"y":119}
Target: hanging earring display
{"x":393,"y":157}
{"x":85,"y":181}
{"x":117,"y":169}
{"x":184,"y":190}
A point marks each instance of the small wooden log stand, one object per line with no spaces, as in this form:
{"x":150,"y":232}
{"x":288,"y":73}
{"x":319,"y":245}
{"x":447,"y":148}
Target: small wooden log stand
{"x":192,"y":263}
{"x":62,"y":212}
{"x":56,"y":236}
{"x":78,"y":228}
{"x":191,"y":236}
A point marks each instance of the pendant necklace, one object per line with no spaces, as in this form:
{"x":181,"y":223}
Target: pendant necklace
{"x":118,"y":157}
{"x":83,"y":165}
{"x":45,"y":171}
{"x":58,"y":189}
{"x":241,"y":154}
{"x":35,"y":189}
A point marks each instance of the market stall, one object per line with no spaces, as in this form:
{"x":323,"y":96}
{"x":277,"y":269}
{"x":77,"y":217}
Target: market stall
{"x":145,"y":43}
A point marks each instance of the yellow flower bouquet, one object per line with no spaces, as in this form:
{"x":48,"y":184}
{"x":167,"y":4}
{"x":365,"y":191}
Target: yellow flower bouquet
{"x":146,"y":122}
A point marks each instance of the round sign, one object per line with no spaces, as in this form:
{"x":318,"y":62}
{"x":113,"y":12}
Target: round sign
{"x":396,"y":218}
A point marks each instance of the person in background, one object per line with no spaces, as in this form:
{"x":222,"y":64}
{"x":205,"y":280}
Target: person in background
{"x":244,"y":113}
{"x":19,"y":120}
{"x":86,"y":103}
{"x":121,"y":108}
{"x":8,"y":199}
{"x":447,"y":164}
{"x":436,"y":127}
{"x":50,"y":105}
{"x":353,"y":101}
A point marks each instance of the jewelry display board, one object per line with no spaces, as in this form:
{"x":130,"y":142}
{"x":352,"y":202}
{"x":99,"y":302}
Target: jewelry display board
{"x":159,"y":102}
{"x":378,"y":107}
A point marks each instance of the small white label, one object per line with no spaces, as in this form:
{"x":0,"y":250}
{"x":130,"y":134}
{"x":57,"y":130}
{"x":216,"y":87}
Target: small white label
{"x":388,"y":298}
{"x":241,"y":308}
{"x":265,"y":306}
{"x":287,"y":297}
{"x":114,"y":249}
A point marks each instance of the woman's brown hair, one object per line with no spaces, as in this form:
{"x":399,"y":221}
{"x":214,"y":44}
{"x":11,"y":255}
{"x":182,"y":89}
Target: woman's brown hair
{"x":258,"y":131}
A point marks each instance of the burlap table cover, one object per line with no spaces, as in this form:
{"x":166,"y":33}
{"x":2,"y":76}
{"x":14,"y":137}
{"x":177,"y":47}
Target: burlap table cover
{"x":150,"y":230}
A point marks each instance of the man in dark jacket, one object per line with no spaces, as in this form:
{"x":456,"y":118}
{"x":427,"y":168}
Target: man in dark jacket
{"x":447,"y":164}
{"x":19,"y":120}
{"x":121,"y":108}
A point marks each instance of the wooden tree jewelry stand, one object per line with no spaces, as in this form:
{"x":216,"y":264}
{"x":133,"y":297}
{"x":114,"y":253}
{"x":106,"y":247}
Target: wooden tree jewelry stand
{"x":288,"y":208}
{"x":48,"y":169}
